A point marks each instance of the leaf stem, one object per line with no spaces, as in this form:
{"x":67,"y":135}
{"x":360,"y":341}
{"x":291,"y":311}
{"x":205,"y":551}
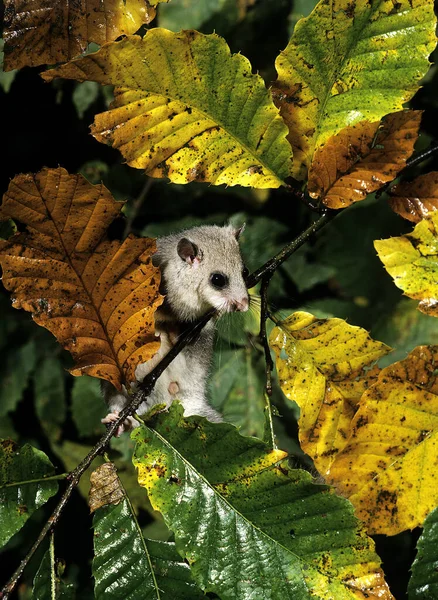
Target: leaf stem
{"x":137,"y":205}
{"x":263,"y":337}
{"x":39,"y":480}
{"x":273,"y":263}
{"x":74,"y":476}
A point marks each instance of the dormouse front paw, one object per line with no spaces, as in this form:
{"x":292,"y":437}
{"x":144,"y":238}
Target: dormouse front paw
{"x":128,"y":424}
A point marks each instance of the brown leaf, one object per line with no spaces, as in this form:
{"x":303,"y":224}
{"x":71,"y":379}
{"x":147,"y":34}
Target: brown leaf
{"x":361,"y":158}
{"x":51,"y":31}
{"x":106,"y":487}
{"x":416,"y":200}
{"x":97,"y":296}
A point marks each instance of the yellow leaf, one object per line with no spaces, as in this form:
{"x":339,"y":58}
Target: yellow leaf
{"x":321,"y":366}
{"x":51,"y":31}
{"x":388,"y":468}
{"x":412,"y":261}
{"x":417,"y":199}
{"x":348,"y":62}
{"x":97,"y":296}
{"x":187,"y":109}
{"x":361,"y":158}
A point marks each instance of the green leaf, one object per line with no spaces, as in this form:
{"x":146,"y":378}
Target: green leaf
{"x":6,"y":78}
{"x":306,"y":274}
{"x":187,"y":109}
{"x":84,"y":95}
{"x":22,"y":486}
{"x":349,"y":62}
{"x":88,"y":406}
{"x":19,"y":364}
{"x":249,"y":526}
{"x":50,"y":396}
{"x":128,"y":566}
{"x":189,"y":14}
{"x":48,"y":585}
{"x":236,"y":388}
{"x":423,"y":584}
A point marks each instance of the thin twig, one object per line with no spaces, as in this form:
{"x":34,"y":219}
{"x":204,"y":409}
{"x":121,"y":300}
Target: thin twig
{"x":264,"y":311}
{"x":146,"y":388}
{"x":137,"y":205}
{"x":273,"y":263}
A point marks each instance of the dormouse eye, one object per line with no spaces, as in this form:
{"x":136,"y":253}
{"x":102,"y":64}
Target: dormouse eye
{"x":218,"y":280}
{"x":245,"y":273}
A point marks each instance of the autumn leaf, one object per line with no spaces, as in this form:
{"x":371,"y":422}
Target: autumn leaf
{"x":282,"y":536}
{"x":417,"y":199}
{"x":321,"y":365}
{"x":348,"y":62}
{"x":412,"y":261}
{"x":97,"y":296}
{"x":187,"y":109}
{"x":360,"y":159}
{"x":52,"y":31}
{"x":388,"y":467}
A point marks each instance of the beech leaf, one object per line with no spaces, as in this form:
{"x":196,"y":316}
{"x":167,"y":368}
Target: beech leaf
{"x":97,"y":296}
{"x":417,"y":199}
{"x":348,"y":62}
{"x":23,"y":488}
{"x":412,"y":261}
{"x":423,"y":584}
{"x":281,"y":536}
{"x":388,"y":467}
{"x":360,"y":159}
{"x":187,"y":109}
{"x":52,"y":31}
{"x":321,"y":365}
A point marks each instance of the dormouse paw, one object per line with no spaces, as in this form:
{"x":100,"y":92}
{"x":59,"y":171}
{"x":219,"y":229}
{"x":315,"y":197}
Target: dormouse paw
{"x":128,"y":424}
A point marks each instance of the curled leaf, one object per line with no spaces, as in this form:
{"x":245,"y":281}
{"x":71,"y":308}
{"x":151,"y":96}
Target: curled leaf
{"x":105,"y":487}
{"x":51,"y":31}
{"x":388,"y":467}
{"x":348,"y":62}
{"x":187,"y":109}
{"x":321,"y":365}
{"x":417,"y":199}
{"x":97,"y":296}
{"x":412,"y":261}
{"x":360,"y":159}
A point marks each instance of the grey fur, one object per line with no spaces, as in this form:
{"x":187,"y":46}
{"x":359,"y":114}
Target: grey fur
{"x":189,"y":295}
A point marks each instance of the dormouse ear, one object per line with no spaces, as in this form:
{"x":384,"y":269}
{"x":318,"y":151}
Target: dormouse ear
{"x":238,"y":232}
{"x":188,"y":251}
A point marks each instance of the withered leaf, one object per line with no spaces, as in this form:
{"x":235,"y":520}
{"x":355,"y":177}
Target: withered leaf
{"x":361,"y":158}
{"x":97,"y":296}
{"x":417,"y":199}
{"x":50,"y":31}
{"x":105,"y":487}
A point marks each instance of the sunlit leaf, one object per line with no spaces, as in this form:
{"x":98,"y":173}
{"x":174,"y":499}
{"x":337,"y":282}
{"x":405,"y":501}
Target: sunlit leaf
{"x":348,"y":62}
{"x":51,"y":31}
{"x":280,"y":535}
{"x":320,"y":364}
{"x":187,"y":109}
{"x":360,"y":159}
{"x":22,"y":486}
{"x":423,"y":584}
{"x":126,"y":565}
{"x":97,"y":296}
{"x":412,"y":261}
{"x":48,"y":584}
{"x":416,"y":200}
{"x":388,"y":467}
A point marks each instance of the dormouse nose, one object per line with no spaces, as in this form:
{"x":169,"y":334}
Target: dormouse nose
{"x":241,"y":305}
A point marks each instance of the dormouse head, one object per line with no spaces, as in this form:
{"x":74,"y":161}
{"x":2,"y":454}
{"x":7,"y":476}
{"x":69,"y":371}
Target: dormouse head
{"x":203,"y":269}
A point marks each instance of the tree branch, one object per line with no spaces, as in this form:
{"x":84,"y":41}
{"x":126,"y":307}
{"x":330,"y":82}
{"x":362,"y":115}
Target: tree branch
{"x":273,"y":263}
{"x":146,"y":387}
